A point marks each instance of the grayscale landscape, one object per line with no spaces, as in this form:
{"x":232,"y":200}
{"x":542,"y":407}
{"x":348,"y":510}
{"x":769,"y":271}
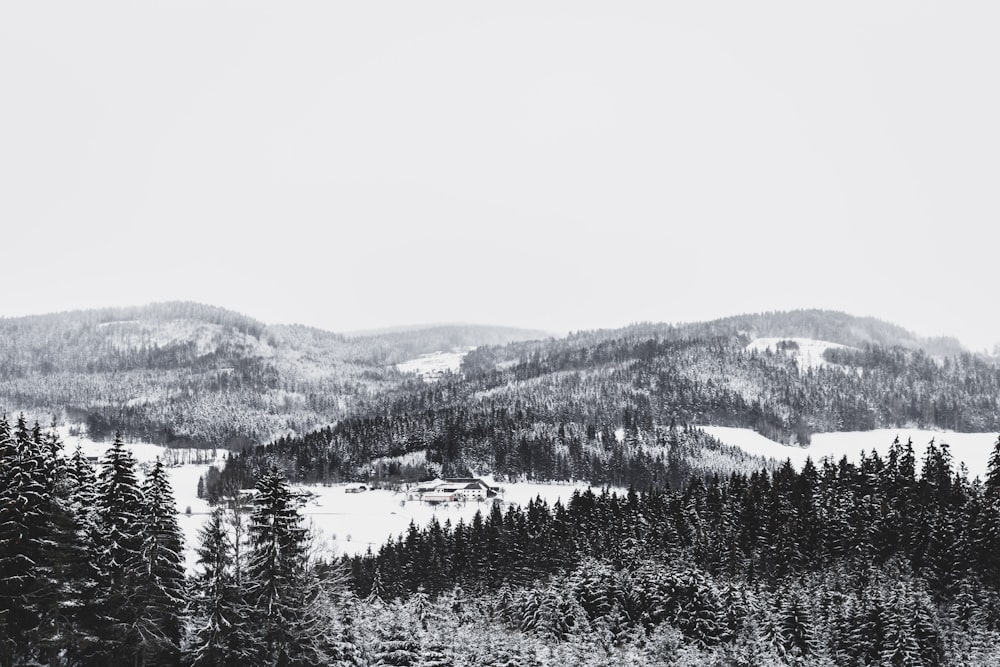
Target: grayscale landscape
{"x":520,"y":335}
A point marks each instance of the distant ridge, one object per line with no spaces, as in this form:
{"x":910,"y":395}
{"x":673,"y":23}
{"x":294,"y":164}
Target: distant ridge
{"x":186,"y":372}
{"x":828,"y":325}
{"x":406,"y":328}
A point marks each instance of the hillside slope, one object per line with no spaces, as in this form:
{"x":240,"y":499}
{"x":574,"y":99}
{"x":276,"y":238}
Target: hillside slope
{"x":606,"y":406}
{"x":183,"y":372}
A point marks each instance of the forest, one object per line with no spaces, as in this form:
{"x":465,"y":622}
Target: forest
{"x":711,"y":557}
{"x":551,"y":409}
{"x":187,"y":374}
{"x":892,"y":561}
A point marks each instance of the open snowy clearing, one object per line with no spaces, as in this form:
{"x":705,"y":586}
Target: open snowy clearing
{"x":343,"y":523}
{"x":808,"y":355}
{"x":972,"y":449}
{"x":430,"y":366}
{"x":350,"y":523}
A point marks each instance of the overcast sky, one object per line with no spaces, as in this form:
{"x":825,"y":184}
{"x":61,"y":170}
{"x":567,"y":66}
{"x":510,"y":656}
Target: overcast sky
{"x":552,"y":165}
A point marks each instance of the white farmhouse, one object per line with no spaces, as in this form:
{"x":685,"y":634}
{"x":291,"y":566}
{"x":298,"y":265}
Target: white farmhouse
{"x":450,"y":490}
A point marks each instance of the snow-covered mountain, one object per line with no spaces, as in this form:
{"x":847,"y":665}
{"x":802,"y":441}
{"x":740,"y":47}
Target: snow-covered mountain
{"x":187,"y":373}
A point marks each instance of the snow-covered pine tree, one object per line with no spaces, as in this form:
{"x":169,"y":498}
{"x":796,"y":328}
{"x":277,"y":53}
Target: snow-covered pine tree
{"x":377,"y":592}
{"x":118,"y":542}
{"x":81,"y":589}
{"x":795,"y":623}
{"x":220,"y":620}
{"x":344,"y":650}
{"x":435,"y":653}
{"x":899,"y":646}
{"x":285,"y":622}
{"x":398,"y":643}
{"x":65,"y":577}
{"x":21,"y":502}
{"x":161,"y":591}
{"x":992,"y":483}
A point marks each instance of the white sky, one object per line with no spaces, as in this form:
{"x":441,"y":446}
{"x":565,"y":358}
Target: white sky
{"x":554,"y":165}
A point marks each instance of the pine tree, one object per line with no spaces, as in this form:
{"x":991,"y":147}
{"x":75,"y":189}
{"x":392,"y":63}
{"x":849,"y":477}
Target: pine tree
{"x":82,"y":588}
{"x":796,"y":625}
{"x":992,"y":483}
{"x":161,"y":592}
{"x":278,"y":582}
{"x":899,"y":647}
{"x":344,"y":650}
{"x":377,"y":592}
{"x":66,"y":578}
{"x":436,"y":654}
{"x":21,"y":504}
{"x":118,"y":542}
{"x":397,"y":643}
{"x":219,"y":617}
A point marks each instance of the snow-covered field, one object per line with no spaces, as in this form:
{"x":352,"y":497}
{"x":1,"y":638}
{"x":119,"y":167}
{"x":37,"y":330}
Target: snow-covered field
{"x":343,"y":523}
{"x":972,"y":449}
{"x":809,"y":354}
{"x":431,"y":366}
{"x":349,"y":523}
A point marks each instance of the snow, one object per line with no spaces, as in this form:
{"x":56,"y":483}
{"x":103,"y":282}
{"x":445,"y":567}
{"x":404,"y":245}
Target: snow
{"x":183,"y":478}
{"x":972,"y":449}
{"x":809,"y":354}
{"x":343,"y":523}
{"x":417,"y":457}
{"x":431,"y":366}
{"x":350,"y":523}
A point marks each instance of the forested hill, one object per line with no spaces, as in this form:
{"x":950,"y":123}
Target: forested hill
{"x":825,"y":325}
{"x":601,"y":401}
{"x":184,"y":371}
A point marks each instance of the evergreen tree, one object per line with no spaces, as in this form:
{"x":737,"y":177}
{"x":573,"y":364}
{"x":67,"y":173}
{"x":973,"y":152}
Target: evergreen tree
{"x":219,"y":618}
{"x":118,"y":542}
{"x":22,"y":499}
{"x":992,"y":483}
{"x":66,"y":579}
{"x":397,"y":643}
{"x":798,"y":631}
{"x":82,"y":587}
{"x":377,"y":592}
{"x":278,"y":582}
{"x":161,"y":592}
{"x":344,"y":650}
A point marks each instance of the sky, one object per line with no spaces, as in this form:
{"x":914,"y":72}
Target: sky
{"x":552,"y":165}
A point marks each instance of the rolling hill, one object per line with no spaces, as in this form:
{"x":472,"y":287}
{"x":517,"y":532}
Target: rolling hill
{"x":187,"y":373}
{"x":617,"y":406}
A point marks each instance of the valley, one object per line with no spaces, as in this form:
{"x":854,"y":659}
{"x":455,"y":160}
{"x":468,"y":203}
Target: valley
{"x":653,"y":485}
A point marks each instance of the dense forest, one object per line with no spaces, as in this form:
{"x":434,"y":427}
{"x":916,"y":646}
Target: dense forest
{"x":188,"y":374}
{"x":880,"y":562}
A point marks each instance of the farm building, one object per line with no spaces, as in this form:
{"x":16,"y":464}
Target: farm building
{"x":450,"y":490}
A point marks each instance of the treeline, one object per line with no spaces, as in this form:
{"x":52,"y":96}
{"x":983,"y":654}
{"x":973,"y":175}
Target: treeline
{"x":511,"y":444}
{"x":884,"y":562}
{"x":848,"y":564}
